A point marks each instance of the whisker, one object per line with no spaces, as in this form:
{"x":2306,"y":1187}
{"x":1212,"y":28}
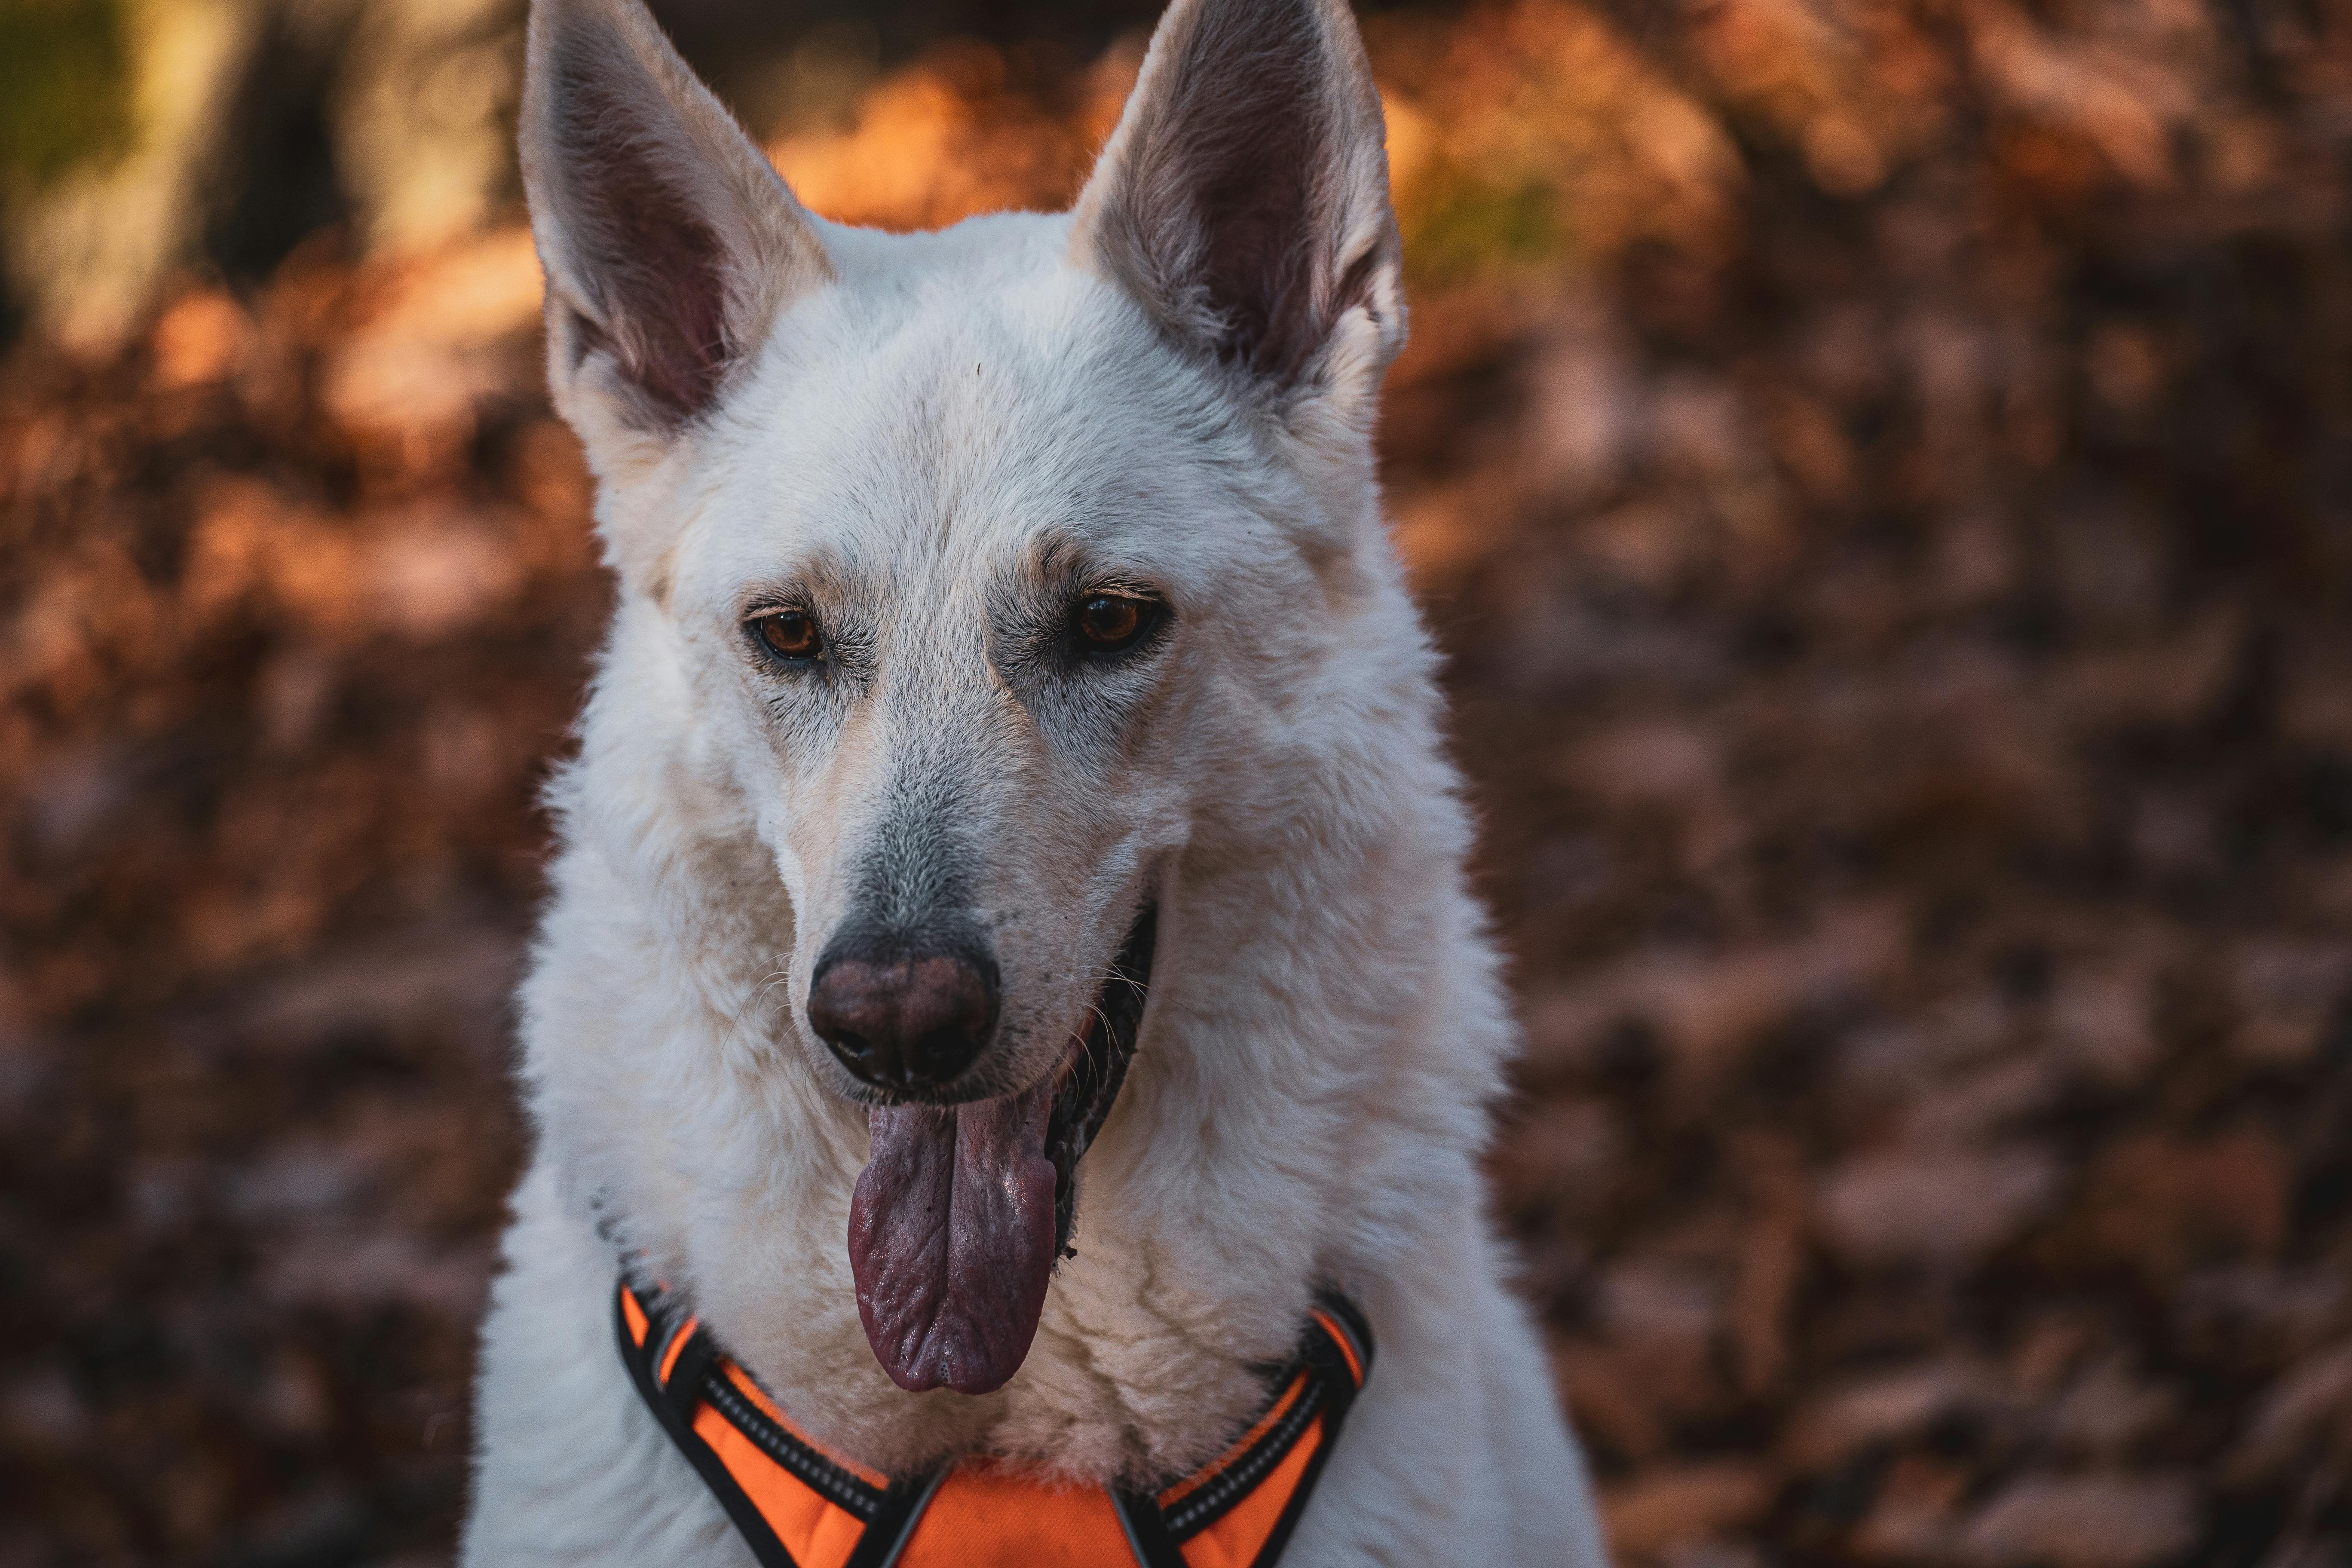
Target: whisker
{"x":758,"y":995}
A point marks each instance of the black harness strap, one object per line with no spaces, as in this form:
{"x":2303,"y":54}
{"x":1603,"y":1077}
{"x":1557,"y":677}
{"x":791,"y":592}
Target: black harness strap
{"x":1147,"y":1529}
{"x":642,"y":1361}
{"x":1336,"y":1358}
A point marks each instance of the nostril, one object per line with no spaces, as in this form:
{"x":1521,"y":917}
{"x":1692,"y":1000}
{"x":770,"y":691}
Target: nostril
{"x":945,"y":1053}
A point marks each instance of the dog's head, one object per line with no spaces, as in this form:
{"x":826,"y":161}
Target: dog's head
{"x":979,"y":566}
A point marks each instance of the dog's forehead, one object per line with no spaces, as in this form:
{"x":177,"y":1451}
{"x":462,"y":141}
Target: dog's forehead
{"x":972,"y":413}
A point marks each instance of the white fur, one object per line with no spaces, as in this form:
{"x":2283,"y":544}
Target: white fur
{"x":1325,"y":1028}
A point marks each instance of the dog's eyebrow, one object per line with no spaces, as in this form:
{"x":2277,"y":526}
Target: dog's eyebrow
{"x":1057,"y":554}
{"x":818,"y":582}
{"x":1062,"y":559}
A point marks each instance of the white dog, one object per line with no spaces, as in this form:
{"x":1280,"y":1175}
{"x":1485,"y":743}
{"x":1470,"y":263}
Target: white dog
{"x":1014,"y":743}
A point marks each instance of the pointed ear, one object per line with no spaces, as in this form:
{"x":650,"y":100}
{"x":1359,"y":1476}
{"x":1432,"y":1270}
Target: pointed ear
{"x":669,"y":242}
{"x":1244,"y":198}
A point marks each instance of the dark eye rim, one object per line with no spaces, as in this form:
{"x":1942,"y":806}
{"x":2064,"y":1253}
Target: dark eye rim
{"x":1152,"y":618}
{"x":754,"y":632}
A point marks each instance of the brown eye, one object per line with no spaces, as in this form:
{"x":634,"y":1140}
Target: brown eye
{"x":789,"y":633}
{"x":1109,"y":622}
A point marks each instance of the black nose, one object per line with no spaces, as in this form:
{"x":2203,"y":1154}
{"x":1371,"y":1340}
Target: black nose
{"x":901,"y":1017}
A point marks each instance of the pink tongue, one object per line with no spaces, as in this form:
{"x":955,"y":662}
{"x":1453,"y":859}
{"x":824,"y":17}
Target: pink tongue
{"x":951,"y":1240}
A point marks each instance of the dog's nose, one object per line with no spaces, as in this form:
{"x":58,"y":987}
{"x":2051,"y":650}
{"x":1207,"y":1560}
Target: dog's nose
{"x":903,"y":1020}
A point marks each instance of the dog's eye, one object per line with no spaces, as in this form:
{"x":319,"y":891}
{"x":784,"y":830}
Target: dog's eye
{"x":1109,"y":623}
{"x":788,"y":634}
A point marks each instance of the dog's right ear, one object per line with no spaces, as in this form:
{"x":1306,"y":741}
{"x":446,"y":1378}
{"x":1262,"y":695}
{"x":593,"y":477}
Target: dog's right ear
{"x":669,"y":242}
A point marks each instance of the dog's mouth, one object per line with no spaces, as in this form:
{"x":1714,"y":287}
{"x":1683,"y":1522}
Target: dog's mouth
{"x":964,"y":1210}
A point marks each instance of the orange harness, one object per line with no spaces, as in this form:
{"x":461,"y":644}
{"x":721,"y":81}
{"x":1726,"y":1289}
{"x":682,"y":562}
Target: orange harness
{"x":799,"y":1506}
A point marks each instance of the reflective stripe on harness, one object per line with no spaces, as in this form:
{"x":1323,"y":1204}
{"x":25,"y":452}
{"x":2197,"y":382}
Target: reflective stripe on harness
{"x":798,"y":1507}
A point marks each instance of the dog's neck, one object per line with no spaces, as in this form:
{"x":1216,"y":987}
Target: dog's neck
{"x":1289,"y":1117}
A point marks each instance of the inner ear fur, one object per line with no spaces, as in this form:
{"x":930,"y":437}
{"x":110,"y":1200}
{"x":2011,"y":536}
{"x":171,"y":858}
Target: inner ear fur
{"x":668,"y":241}
{"x":1244,"y":198}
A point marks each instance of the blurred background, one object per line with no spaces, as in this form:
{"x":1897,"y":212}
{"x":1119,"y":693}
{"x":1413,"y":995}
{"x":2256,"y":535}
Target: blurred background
{"x":1882,"y":474}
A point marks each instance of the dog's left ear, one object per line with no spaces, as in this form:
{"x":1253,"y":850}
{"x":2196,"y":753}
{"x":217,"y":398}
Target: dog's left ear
{"x":1243,"y":199}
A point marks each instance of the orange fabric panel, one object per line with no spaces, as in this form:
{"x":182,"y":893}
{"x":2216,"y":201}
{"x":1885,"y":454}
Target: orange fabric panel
{"x":983,"y":1516}
{"x":1234,"y":1540}
{"x":634,"y":1316}
{"x":1241,"y":1445}
{"x":759,"y":1397}
{"x":817,"y":1533}
{"x":676,"y":1348}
